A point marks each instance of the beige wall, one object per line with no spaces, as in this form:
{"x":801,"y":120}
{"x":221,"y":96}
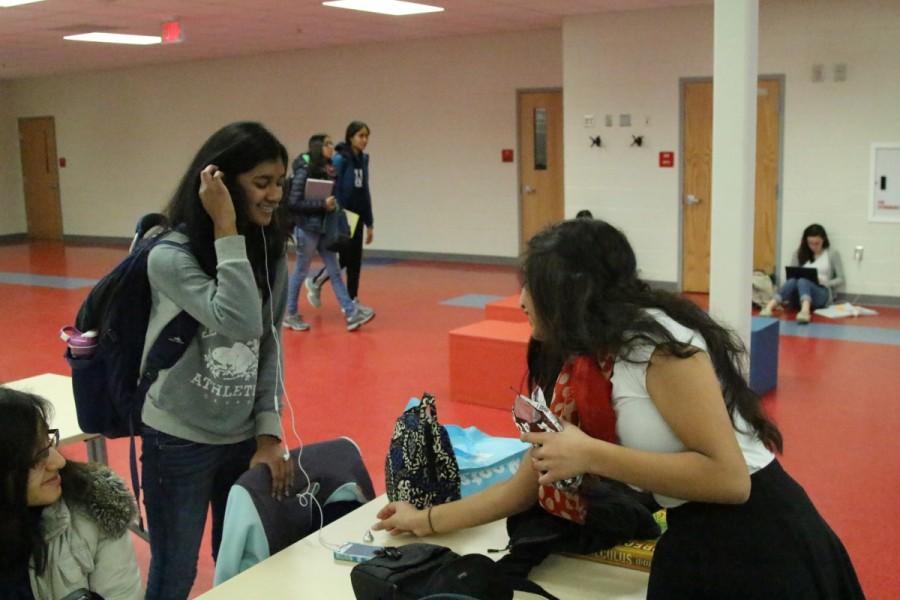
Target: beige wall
{"x":440,"y":112}
{"x":12,"y":209}
{"x":631,"y":62}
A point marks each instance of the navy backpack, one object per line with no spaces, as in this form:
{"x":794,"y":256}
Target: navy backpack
{"x":108,"y":384}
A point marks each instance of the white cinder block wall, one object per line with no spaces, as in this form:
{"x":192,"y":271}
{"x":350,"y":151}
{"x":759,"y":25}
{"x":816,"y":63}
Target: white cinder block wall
{"x":631,"y":62}
{"x":440,"y":112}
{"x":12,"y":206}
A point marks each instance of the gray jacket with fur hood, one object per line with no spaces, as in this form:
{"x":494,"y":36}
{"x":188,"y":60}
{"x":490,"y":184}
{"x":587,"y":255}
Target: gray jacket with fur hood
{"x":88,"y":543}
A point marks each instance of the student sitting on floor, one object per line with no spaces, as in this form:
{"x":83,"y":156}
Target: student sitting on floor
{"x":64,"y":525}
{"x":815,"y":251}
{"x":690,"y":430}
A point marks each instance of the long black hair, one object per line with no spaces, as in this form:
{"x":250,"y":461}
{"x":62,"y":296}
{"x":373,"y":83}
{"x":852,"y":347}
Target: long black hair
{"x":803,"y":252}
{"x":582,"y":278}
{"x":22,"y":419}
{"x":318,"y":162}
{"x":352,"y":129}
{"x":235,"y":149}
{"x":543,"y":368}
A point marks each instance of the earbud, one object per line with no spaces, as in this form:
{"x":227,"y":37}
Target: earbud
{"x":308,"y":495}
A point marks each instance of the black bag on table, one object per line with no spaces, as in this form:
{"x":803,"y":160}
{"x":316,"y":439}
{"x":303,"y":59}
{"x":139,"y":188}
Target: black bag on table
{"x":417,"y":570}
{"x":616,"y":514}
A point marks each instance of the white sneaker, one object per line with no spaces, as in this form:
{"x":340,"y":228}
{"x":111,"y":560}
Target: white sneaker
{"x":765,"y":312}
{"x":295,"y":322}
{"x":313,"y":292}
{"x":363,"y":307}
{"x":358,"y":319}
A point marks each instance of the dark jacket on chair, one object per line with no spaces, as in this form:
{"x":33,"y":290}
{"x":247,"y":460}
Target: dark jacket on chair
{"x":258,"y":525}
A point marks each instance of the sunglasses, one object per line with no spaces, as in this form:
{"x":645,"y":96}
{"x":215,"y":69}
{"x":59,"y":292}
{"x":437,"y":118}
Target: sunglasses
{"x":41,"y":457}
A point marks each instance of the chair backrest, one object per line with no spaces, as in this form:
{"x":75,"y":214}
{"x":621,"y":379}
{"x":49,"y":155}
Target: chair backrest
{"x":339,"y":482}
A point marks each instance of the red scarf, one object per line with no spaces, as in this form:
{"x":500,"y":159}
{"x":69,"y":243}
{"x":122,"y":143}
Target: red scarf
{"x":582,"y":396}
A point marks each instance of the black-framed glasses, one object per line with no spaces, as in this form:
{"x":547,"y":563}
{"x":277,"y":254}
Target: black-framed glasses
{"x":52,"y":442}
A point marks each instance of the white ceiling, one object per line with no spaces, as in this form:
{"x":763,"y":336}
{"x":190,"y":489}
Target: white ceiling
{"x":31,"y":35}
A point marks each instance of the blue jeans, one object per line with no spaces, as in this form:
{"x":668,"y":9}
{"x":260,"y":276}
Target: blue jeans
{"x":798,"y":290}
{"x":181,"y":479}
{"x":308,"y":243}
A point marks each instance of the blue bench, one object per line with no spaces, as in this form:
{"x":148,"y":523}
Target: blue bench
{"x":763,"y":354}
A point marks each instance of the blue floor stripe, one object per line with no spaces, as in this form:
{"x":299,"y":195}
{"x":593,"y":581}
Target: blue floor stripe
{"x":379,"y":261}
{"x":51,"y":281}
{"x":472,"y":300}
{"x":846,"y":333}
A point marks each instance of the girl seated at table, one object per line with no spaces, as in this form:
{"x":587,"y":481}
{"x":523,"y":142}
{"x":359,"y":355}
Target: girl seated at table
{"x":65,"y":525}
{"x":690,"y":431}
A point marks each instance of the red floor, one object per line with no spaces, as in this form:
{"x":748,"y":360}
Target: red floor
{"x":836,"y":401}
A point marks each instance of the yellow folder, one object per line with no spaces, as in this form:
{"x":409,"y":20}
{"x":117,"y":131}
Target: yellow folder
{"x":352,"y":220}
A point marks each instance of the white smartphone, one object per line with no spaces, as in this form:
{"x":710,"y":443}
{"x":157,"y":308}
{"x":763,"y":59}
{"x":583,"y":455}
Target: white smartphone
{"x":353,"y":552}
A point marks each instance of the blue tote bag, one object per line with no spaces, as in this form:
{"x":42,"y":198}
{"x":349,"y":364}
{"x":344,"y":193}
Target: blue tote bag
{"x":484,"y":460}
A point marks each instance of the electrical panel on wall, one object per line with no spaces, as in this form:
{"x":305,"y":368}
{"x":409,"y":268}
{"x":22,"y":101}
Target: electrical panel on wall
{"x":884,"y":198}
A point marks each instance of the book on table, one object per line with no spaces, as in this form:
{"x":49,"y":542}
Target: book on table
{"x":636,"y":554}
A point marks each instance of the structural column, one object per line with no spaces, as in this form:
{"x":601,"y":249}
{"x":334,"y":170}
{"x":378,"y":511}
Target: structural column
{"x":733,"y":162}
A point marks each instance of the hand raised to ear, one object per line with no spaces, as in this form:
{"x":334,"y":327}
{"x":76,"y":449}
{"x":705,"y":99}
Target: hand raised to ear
{"x":216,"y":201}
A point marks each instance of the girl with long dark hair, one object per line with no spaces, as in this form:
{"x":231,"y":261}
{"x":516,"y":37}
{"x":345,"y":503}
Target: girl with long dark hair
{"x":216,"y":412}
{"x":815,"y":251}
{"x":689,"y":428}
{"x":351,"y":190}
{"x":309,"y":216}
{"x":64,"y":525}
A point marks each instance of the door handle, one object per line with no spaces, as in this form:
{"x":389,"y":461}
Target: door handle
{"x":527,"y":189}
{"x":691,"y":199}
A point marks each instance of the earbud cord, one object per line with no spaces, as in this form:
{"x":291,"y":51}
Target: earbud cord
{"x":308,"y":495}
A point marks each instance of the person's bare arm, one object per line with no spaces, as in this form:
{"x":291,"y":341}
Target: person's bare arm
{"x":686,"y":393}
{"x":496,"y":502}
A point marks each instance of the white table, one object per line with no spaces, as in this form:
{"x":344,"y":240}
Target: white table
{"x":307,"y":570}
{"x":57,"y":389}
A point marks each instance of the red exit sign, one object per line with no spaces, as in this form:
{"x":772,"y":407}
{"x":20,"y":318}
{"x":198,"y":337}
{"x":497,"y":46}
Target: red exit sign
{"x":666,"y":159}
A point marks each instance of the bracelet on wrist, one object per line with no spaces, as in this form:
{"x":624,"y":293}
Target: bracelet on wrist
{"x":430,"y":524}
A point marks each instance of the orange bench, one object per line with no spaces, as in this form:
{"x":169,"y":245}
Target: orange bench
{"x":507,"y":309}
{"x":487,"y":362}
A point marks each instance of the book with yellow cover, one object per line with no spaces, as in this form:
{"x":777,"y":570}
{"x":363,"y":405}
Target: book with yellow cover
{"x":636,"y":554}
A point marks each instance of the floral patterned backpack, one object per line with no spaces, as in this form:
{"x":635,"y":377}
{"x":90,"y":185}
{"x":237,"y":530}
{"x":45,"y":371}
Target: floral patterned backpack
{"x":421,"y":466}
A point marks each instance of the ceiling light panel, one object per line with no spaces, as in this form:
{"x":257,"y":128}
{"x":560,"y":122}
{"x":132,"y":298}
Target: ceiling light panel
{"x":9,"y":3}
{"x":385,"y":7}
{"x":115,"y":38}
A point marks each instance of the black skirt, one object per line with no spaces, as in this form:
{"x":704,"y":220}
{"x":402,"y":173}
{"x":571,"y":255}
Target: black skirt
{"x":774,"y":546}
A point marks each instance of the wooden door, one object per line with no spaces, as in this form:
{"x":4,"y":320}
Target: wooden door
{"x":37,"y":143}
{"x":540,"y":161}
{"x":697,"y":103}
{"x":768,"y":162}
